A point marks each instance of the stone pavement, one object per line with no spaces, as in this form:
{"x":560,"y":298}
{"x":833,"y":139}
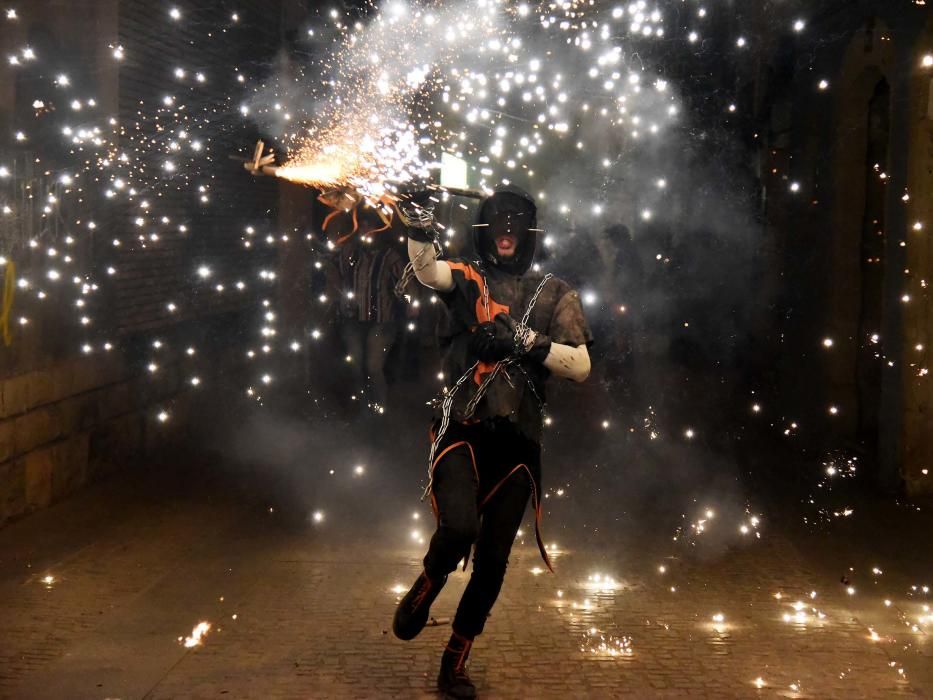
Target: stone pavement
{"x":303,"y":610}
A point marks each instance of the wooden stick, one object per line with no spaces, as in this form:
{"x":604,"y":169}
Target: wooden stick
{"x":261,"y":164}
{"x":461,"y":192}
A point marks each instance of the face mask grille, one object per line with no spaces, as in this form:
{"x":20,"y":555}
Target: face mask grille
{"x":506,"y":213}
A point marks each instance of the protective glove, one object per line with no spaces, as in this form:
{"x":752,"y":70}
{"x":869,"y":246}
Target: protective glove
{"x":416,"y":210}
{"x":495,"y":341}
{"x":488,"y":344}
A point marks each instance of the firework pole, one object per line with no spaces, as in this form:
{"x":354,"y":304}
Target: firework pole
{"x":261,"y":164}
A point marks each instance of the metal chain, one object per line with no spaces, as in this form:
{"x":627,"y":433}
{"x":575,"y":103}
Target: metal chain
{"x":534,"y":298}
{"x":521,"y":328}
{"x":416,"y":215}
{"x":409,"y":270}
{"x":446,"y":406}
{"x":404,"y":280}
{"x":447,"y":403}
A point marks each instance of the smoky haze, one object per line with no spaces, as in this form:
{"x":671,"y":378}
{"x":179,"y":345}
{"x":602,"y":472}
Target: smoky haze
{"x":650,"y":211}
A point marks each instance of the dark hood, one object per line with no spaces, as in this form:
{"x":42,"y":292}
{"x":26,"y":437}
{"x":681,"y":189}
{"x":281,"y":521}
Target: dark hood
{"x":520,"y":263}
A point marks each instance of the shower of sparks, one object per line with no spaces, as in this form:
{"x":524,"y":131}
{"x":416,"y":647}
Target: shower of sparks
{"x":469,"y":78}
{"x":601,"y":583}
{"x":803,"y":614}
{"x":598,"y":643}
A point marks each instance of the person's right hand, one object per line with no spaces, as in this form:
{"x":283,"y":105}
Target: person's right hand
{"x":416,"y":209}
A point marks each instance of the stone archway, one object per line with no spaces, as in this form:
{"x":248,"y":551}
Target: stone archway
{"x":856,"y":266}
{"x":868,"y":367}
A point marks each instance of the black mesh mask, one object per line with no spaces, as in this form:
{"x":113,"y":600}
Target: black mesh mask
{"x":508,"y":209}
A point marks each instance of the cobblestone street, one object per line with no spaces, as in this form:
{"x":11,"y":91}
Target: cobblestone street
{"x":304,"y":610}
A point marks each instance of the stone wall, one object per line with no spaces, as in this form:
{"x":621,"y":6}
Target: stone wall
{"x":67,"y":418}
{"x":70,"y":423}
{"x":826,"y":289}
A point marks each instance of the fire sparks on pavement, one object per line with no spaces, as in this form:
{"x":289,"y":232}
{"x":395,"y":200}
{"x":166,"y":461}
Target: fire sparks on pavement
{"x":197,"y":635}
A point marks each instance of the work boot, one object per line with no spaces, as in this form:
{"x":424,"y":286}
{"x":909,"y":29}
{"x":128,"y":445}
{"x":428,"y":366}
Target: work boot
{"x":411,"y":615}
{"x":453,"y":679}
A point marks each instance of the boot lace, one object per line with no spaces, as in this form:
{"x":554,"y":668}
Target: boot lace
{"x":426,"y":587}
{"x":460,"y":667}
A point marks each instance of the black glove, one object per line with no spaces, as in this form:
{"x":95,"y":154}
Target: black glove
{"x":488,"y":344}
{"x":416,"y":210}
{"x":420,"y":234}
{"x":495,"y":341}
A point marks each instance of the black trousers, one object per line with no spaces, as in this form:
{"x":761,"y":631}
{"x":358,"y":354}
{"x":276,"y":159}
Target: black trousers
{"x":484,"y":474}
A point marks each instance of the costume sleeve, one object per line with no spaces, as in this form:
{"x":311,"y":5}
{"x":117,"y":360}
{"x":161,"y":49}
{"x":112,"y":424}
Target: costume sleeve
{"x":568,"y":324}
{"x":458,"y":268}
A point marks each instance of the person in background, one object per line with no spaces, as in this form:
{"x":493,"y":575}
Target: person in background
{"x":370,"y":314}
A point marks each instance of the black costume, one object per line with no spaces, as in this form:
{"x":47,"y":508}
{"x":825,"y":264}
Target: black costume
{"x":486,"y":444}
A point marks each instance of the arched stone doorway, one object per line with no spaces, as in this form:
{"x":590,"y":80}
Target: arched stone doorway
{"x":869,"y":360}
{"x":856,"y":268}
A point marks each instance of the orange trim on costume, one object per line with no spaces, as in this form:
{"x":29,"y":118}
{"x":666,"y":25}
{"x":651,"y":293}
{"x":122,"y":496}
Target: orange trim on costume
{"x":449,"y":448}
{"x":536,"y":504}
{"x":422,"y":594}
{"x":502,"y":481}
{"x":386,"y":220}
{"x":345,"y":201}
{"x":466,"y":559}
{"x":541,"y":549}
{"x":356,"y":226}
{"x":463,"y":652}
{"x":495,"y":308}
{"x":472,"y":274}
{"x":327,"y":219}
{"x":481,"y":369}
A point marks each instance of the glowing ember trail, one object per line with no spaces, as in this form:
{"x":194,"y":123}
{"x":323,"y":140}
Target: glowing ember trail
{"x":197,"y":635}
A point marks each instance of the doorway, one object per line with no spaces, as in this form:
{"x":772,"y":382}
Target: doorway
{"x":870,"y":362}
